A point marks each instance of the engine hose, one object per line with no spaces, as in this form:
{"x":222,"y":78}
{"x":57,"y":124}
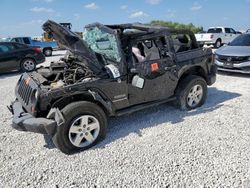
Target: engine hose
{"x":57,"y":76}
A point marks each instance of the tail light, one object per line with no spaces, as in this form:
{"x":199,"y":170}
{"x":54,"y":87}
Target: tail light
{"x":212,"y":36}
{"x":38,"y":50}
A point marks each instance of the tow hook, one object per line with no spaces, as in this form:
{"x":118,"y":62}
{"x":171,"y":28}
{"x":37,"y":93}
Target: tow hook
{"x":10,"y":108}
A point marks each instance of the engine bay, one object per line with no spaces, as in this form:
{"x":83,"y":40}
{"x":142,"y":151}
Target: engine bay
{"x":68,"y":70}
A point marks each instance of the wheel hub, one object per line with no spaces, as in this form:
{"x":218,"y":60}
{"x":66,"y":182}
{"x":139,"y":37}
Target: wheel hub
{"x":84,"y":131}
{"x":195,"y":95}
{"x":47,"y":52}
{"x":29,"y":65}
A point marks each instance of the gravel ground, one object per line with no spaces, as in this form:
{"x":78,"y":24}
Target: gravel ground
{"x":207,"y":147}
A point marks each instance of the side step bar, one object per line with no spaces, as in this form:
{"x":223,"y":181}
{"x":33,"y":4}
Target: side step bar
{"x":142,"y":106}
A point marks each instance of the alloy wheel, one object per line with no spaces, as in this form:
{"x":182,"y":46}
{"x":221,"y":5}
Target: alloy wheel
{"x":29,"y":65}
{"x":195,"y":95}
{"x":84,"y":131}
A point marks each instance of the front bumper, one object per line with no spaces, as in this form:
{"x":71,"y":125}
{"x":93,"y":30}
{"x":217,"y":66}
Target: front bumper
{"x":234,"y":67}
{"x":23,"y":121}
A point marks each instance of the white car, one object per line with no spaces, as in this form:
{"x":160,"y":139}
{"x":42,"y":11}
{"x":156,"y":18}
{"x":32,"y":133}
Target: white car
{"x":217,"y":36}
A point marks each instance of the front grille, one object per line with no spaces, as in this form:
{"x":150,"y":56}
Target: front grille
{"x":25,"y":91}
{"x":232,"y":59}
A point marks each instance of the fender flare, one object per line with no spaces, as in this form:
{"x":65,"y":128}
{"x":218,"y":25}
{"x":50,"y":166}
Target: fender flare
{"x":90,"y":96}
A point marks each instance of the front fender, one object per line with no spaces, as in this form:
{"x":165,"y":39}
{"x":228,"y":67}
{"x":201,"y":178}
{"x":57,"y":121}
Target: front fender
{"x":90,"y":96}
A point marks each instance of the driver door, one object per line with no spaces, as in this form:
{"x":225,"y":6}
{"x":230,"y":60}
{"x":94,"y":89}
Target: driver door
{"x":154,"y":78}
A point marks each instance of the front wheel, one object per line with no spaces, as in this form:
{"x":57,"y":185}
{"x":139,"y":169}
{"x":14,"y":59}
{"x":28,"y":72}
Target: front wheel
{"x":191,"y":93}
{"x":28,"y":65}
{"x":85,"y":125}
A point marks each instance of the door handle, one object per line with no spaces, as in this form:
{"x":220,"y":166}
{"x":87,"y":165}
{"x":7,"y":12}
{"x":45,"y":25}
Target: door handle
{"x":170,"y":68}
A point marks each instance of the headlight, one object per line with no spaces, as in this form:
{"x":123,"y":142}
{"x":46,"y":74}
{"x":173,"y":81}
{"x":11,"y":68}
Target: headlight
{"x":248,"y":59}
{"x":36,"y":95}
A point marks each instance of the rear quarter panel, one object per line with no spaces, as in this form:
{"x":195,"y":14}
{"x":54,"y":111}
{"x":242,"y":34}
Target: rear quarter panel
{"x":201,"y":57}
{"x":29,"y":53}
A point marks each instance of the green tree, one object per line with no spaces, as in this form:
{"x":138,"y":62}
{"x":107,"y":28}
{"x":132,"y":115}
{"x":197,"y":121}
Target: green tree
{"x":176,"y":25}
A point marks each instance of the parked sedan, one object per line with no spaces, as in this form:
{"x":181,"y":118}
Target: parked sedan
{"x":235,"y":57}
{"x":16,"y":56}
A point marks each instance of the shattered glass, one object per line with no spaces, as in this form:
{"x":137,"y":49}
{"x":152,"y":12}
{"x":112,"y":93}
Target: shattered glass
{"x":102,"y":43}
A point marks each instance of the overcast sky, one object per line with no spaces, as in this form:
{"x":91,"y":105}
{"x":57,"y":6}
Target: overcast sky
{"x":25,"y":17}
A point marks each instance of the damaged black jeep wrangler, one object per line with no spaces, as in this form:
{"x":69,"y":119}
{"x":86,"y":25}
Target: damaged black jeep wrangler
{"x":114,"y":70}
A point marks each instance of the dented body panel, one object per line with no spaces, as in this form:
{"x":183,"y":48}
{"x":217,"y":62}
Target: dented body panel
{"x":103,"y":69}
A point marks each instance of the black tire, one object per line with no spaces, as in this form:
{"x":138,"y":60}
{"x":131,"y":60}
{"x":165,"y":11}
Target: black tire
{"x":184,"y":89}
{"x":47,"y":52}
{"x":71,"y":113}
{"x":28,"y":65}
{"x":218,"y":43}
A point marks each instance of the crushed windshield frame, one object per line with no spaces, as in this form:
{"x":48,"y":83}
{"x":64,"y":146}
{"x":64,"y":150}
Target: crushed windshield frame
{"x":94,"y":34}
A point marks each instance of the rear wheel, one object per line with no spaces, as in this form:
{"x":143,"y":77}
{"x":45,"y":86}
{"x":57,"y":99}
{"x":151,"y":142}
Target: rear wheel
{"x":47,"y":52}
{"x":191,"y":93}
{"x":218,"y":43}
{"x":85,"y":125}
{"x":28,"y":65}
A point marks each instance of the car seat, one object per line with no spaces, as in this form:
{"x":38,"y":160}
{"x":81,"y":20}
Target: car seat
{"x":152,"y":52}
{"x":183,"y":43}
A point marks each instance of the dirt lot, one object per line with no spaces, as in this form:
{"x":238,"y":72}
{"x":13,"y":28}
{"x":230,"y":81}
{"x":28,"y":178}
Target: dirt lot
{"x":207,"y":147}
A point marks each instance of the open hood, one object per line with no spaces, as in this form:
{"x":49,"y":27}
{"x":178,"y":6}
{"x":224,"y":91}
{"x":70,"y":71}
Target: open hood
{"x":74,"y":44}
